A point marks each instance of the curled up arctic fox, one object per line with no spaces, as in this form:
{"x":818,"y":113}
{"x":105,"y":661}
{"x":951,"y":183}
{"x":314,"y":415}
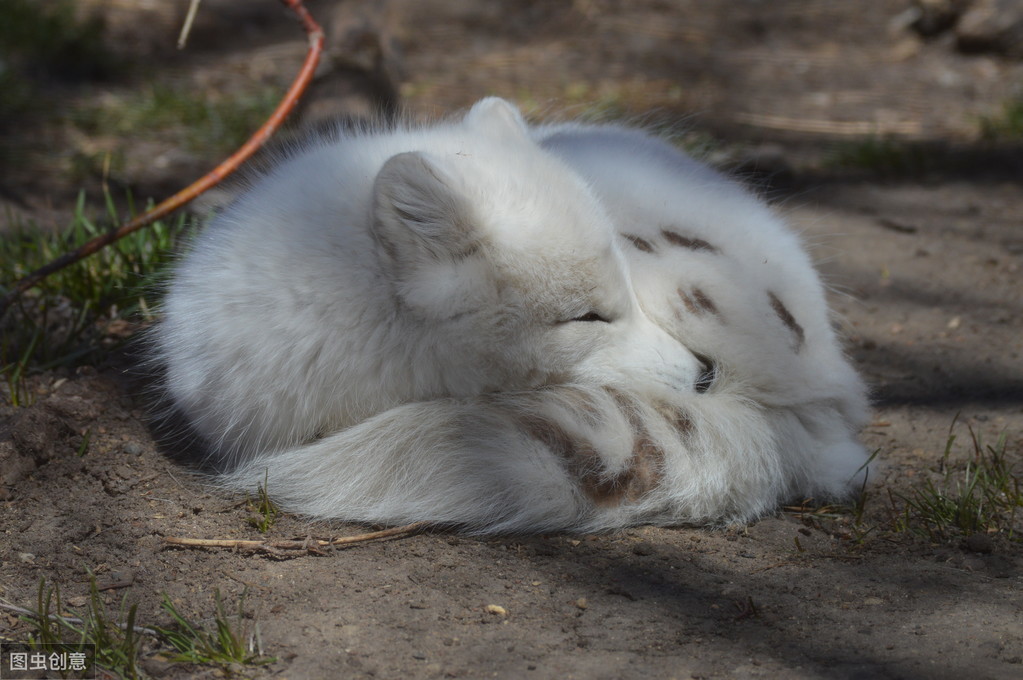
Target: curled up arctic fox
{"x":499,"y":327}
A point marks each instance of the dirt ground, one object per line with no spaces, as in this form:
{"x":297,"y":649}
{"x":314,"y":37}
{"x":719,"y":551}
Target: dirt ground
{"x":925,"y":268}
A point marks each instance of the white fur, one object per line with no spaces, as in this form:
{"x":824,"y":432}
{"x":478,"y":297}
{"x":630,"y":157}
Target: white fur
{"x":648,"y":187}
{"x":446,"y":324}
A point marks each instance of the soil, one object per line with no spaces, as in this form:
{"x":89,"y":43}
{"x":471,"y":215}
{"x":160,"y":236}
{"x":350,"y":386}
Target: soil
{"x":925,"y":270}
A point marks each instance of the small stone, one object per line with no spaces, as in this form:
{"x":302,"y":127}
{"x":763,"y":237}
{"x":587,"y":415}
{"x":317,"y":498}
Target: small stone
{"x":133,"y":448}
{"x":992,"y":26}
{"x":582,"y":603}
{"x":157,"y":665}
{"x":496,"y":609}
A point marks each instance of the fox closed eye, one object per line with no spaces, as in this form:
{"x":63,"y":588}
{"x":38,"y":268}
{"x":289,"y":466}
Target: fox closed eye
{"x":592,"y":316}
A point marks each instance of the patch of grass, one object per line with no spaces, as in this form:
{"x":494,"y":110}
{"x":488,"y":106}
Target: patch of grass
{"x":860,"y":528}
{"x":118,"y":641}
{"x":227,"y":644}
{"x":116,"y":638}
{"x":49,"y":36}
{"x":204,"y":122}
{"x":83,"y":448}
{"x":1007,"y":124}
{"x":852,"y":518}
{"x":983,"y":496}
{"x":883,"y":156}
{"x":83,"y":308}
{"x":113,"y":638}
{"x":14,"y":371}
{"x":46,"y":39}
{"x":263,"y":511}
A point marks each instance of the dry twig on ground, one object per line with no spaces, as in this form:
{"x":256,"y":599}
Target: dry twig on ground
{"x":306,"y":545}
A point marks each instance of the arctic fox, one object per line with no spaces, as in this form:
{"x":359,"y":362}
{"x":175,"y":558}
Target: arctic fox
{"x":504,"y":328}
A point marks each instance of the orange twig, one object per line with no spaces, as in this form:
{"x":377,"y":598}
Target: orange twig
{"x":211,"y":179}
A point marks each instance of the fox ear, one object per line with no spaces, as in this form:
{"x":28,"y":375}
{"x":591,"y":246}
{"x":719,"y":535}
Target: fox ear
{"x":498,"y":116}
{"x":419,"y":210}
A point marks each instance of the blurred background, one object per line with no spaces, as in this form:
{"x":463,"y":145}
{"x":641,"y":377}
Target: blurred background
{"x":95,"y":96}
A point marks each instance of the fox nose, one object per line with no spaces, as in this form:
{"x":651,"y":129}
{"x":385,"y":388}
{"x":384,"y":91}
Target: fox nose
{"x":708,"y":373}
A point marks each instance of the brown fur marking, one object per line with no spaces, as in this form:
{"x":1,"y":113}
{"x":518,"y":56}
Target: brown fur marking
{"x":676,"y":239}
{"x":581,"y":459}
{"x":640,"y":243}
{"x":677,"y":418}
{"x":697,"y":302}
{"x":704,"y":302}
{"x":646,"y":466}
{"x":553,"y":436}
{"x":642,"y":474}
{"x":790,"y":321}
{"x":688,"y":302}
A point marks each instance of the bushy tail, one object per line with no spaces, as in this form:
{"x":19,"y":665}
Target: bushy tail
{"x":559,"y":458}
